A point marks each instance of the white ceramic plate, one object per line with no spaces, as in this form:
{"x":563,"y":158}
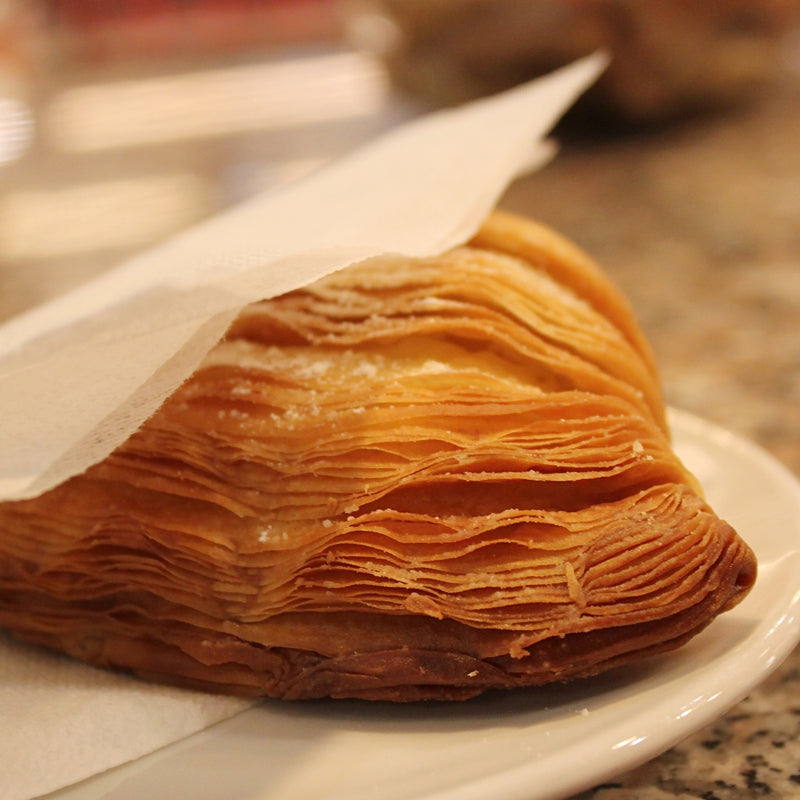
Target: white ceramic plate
{"x":529,"y":745}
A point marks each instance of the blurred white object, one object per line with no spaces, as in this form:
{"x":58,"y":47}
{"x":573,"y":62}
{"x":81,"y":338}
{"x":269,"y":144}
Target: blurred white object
{"x":219,"y":101}
{"x":16,"y":128}
{"x":17,"y":25}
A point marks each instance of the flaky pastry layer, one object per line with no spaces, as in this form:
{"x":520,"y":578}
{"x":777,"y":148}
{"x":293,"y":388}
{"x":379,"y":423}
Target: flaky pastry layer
{"x":413,"y":479}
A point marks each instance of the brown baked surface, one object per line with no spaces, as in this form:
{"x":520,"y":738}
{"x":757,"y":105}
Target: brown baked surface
{"x":411,"y":481}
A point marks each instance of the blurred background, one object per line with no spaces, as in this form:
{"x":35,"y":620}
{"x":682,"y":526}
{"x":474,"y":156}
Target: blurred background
{"x":122,"y":121}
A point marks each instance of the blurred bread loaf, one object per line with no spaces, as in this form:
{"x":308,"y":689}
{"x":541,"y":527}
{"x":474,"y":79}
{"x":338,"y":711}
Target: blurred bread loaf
{"x":669,"y":57}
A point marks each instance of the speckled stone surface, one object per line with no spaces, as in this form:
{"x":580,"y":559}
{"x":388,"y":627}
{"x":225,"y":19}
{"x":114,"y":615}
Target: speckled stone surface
{"x":700,"y":224}
{"x":753,"y":751}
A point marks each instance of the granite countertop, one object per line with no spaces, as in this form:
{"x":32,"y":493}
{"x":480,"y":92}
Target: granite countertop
{"x":700,"y":225}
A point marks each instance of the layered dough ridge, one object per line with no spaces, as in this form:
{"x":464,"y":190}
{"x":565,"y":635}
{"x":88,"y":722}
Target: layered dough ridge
{"x":413,"y":479}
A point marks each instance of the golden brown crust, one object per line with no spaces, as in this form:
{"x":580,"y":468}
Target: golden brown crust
{"x":567,"y":264}
{"x":417,"y":480}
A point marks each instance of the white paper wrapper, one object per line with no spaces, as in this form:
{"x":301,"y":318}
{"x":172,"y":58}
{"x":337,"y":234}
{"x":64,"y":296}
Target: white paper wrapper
{"x":80,"y":374}
{"x":63,"y":721}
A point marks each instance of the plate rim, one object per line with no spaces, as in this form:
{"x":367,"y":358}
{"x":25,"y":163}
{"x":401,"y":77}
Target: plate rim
{"x":642,"y":748}
{"x":557,"y":778}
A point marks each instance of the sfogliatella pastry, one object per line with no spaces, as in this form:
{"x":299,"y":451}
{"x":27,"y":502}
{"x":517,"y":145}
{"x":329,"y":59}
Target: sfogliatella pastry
{"x":416,"y":479}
